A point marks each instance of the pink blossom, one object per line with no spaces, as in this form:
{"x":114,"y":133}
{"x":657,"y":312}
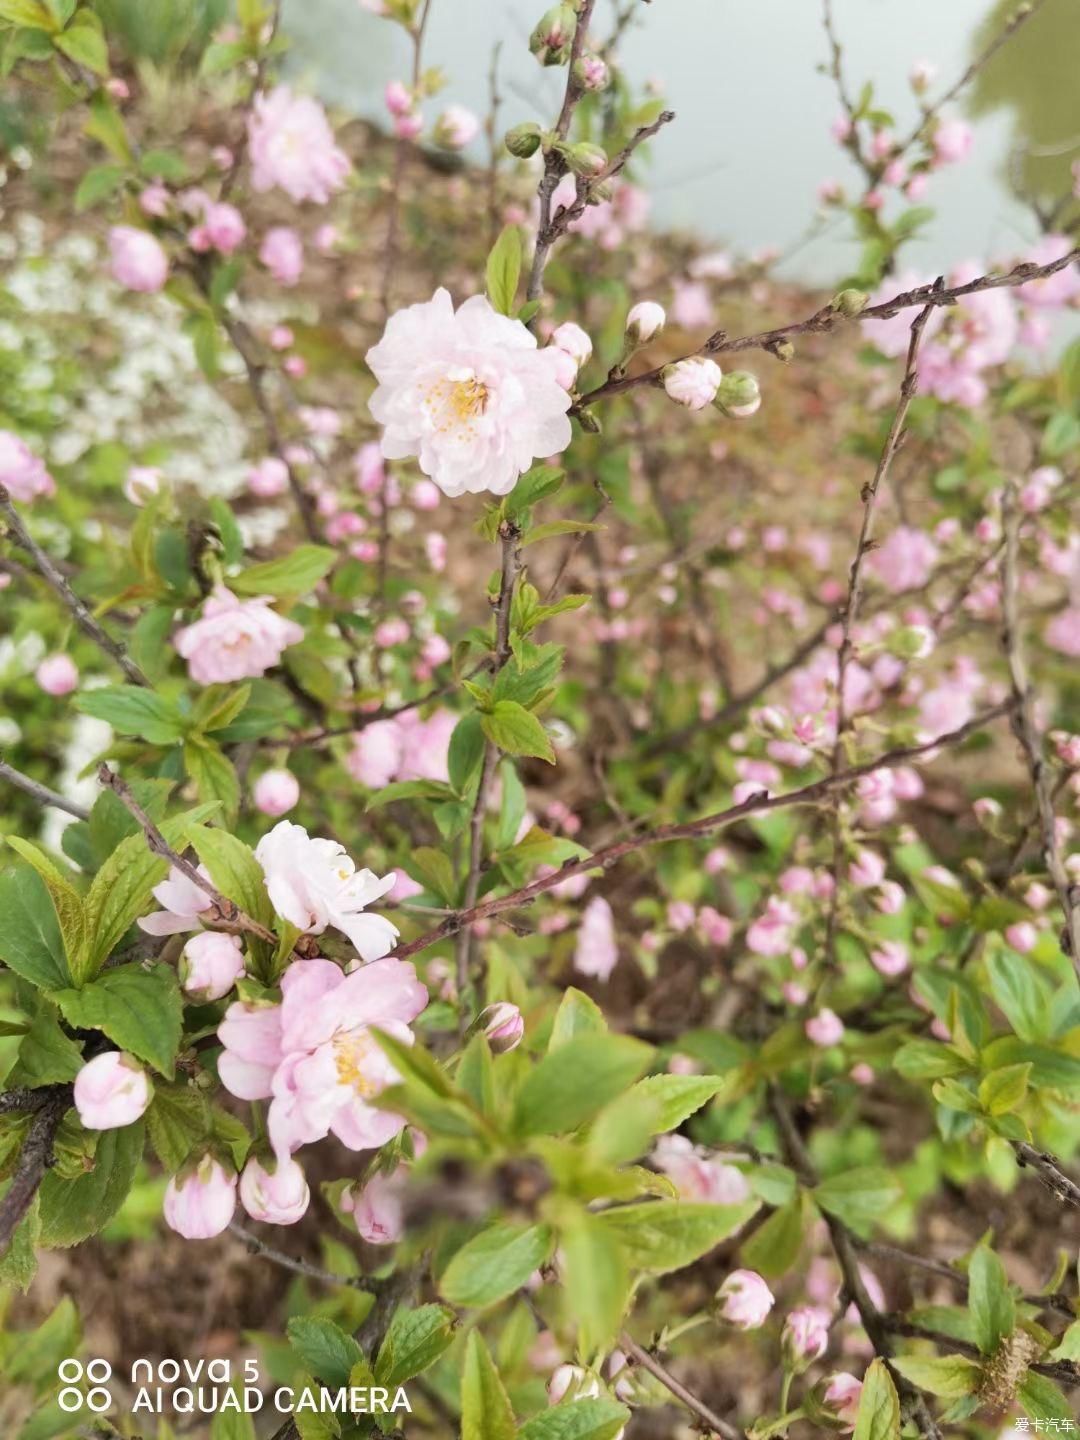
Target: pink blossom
{"x":57,"y":675}
{"x":866,"y":870}
{"x":398,"y":98}
{"x":268,"y":478}
{"x":944,"y":708}
{"x":905,"y":559}
{"x":890,"y":958}
{"x":22,"y":473}
{"x":841,"y":1395}
{"x":697,"y":1175}
{"x":200,"y":1204}
{"x":279,"y":1196}
{"x":952,"y":141}
{"x":223,"y":228}
{"x":235,"y":639}
{"x":573,"y":340}
{"x":111,"y":1091}
{"x":251,"y":1035}
{"x":410,"y":126}
{"x":893,"y":335}
{"x":282,"y":252}
{"x":455,"y":128}
{"x":596,"y":952}
{"x":692,"y":304}
{"x":424,"y":495}
{"x":136,"y":259}
{"x":680,"y":915}
{"x":694,"y":382}
{"x":1022,"y":936}
{"x":890,"y":898}
{"x":313,"y":884}
{"x":744,"y":1300}
{"x":503,"y":1025}
{"x":276,"y":792}
{"x":1063,"y":632}
{"x":154,"y":200}
{"x":142,"y":483}
{"x":771,"y":932}
{"x":402,"y":748}
{"x":717,"y":929}
{"x":644,"y":322}
{"x":377,"y":1208}
{"x":794,"y":993}
{"x":468,"y":393}
{"x":824,"y":1029}
{"x":805,"y":1336}
{"x":211,"y":964}
{"x":184,"y":903}
{"x":291,"y":145}
{"x":572,"y":1383}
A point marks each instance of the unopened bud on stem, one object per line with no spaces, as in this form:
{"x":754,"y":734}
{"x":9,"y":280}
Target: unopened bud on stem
{"x":523,"y":140}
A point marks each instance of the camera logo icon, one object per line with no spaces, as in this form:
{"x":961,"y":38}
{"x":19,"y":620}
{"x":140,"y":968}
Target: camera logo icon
{"x":97,"y":1398}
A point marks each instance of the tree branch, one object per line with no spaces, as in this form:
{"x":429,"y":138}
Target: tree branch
{"x":642,"y":1357}
{"x":52,"y":577}
{"x":259,"y":1247}
{"x":1049,"y":1172}
{"x":35,"y":1158}
{"x":41,"y":793}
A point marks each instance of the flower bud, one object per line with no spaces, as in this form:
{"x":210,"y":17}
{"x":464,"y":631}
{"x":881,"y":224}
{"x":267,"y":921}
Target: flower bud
{"x":850,"y":302}
{"x":591,"y":73}
{"x":824,"y":1029}
{"x":784,"y":350}
{"x":743,"y":1300}
{"x":645,"y":322}
{"x":805,"y":1337}
{"x":276,"y":1197}
{"x":276,"y":792}
{"x":584,"y":159}
{"x":200,"y":1204}
{"x":573,"y":340}
{"x":693,"y":382}
{"x":57,"y":675}
{"x":376,"y":1208}
{"x":211,"y":964}
{"x":143,"y":482}
{"x":455,"y":128}
{"x":552,"y":40}
{"x":739,"y":394}
{"x":503,"y":1026}
{"x":911,"y":642}
{"x":111,"y":1091}
{"x":838,"y":1396}
{"x":523,"y":140}
{"x":574,"y":1382}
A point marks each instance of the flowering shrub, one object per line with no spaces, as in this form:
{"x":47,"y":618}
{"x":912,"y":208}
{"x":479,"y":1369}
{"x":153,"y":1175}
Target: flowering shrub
{"x":603,"y":874}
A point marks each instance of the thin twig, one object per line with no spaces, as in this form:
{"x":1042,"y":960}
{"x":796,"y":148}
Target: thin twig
{"x":1060,"y":1304}
{"x":41,"y":793}
{"x":826,"y":319}
{"x":401,"y":155}
{"x":811,"y":794}
{"x":1049,"y":1172}
{"x":52,"y":576}
{"x":298,"y":1267}
{"x":1026,"y":727}
{"x":35,"y":1160}
{"x":649,"y":1362}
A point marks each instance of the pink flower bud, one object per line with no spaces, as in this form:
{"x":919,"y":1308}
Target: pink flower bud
{"x":276,"y":792}
{"x":841,"y":1395}
{"x":276,"y":1197}
{"x":1022,"y":936}
{"x":805,"y":1336}
{"x":111,"y":1091}
{"x":154,"y":200}
{"x":57,"y":675}
{"x":398,"y":98}
{"x":377,"y":1209}
{"x":644,"y":322}
{"x":142,"y":483}
{"x":455,"y":128}
{"x":573,"y":1382}
{"x":282,"y":252}
{"x":200,"y":1204}
{"x":890,"y":958}
{"x":694,"y":382}
{"x":211,"y":964}
{"x":824,"y":1029}
{"x":573,"y":340}
{"x":268,"y":478}
{"x":866,"y":870}
{"x":744,"y":1300}
{"x":503,"y":1025}
{"x":136,"y":260}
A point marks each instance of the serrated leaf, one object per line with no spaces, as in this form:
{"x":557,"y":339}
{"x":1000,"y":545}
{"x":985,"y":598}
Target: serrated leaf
{"x":663,"y":1235}
{"x":949,"y":1376}
{"x":595,"y":1419}
{"x":326,"y":1350}
{"x":120,"y":893}
{"x":990,"y":1302}
{"x":139,"y":1010}
{"x":674,"y":1098}
{"x":409,"y":790}
{"x":1003,"y":1090}
{"x":570,"y":1084}
{"x":414,"y":1341}
{"x":30,"y":940}
{"x":503,"y":270}
{"x":485,"y":1406}
{"x":495,"y":1263}
{"x":67,"y":902}
{"x":99,"y":183}
{"x":552,"y":528}
{"x":177,"y":1120}
{"x":214,"y":775}
{"x":73,"y":1210}
{"x":292,"y":574}
{"x":775,"y":1246}
{"x":879,"y":1405}
{"x":858,"y":1196}
{"x":517,"y":731}
{"x":578,"y":1014}
{"x":134,"y":710}
{"x":596,"y":1278}
{"x":234,"y":871}
{"x":84,"y":43}
{"x":46,"y":1055}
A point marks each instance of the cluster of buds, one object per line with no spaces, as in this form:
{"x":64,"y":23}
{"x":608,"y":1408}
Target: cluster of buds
{"x":699,"y":382}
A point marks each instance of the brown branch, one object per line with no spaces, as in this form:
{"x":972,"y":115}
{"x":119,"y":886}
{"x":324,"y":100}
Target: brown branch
{"x":824,"y":320}
{"x":1059,"y":1303}
{"x":758,"y":804}
{"x":1049,"y":1172}
{"x":35,"y":1159}
{"x":555,"y":166}
{"x":255,"y":1246}
{"x":1062,"y":1370}
{"x":642,"y":1357}
{"x":1026,"y":727}
{"x":41,"y":793}
{"x":510,"y":535}
{"x":229,"y":913}
{"x":52,"y":577}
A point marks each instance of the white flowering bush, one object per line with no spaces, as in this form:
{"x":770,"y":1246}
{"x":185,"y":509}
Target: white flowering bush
{"x":579,"y":831}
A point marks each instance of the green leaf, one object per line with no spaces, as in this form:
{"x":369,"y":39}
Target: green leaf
{"x":232,"y":1425}
{"x":495,"y":1263}
{"x":1003,"y":1090}
{"x":1017,"y":993}
{"x":926,"y":1060}
{"x":18,"y":1264}
{"x":1042,"y":1400}
{"x":1068,"y":1348}
{"x":177,"y":1120}
{"x":292,"y":574}
{"x":214,"y":775}
{"x":571,"y":1084}
{"x":27,"y":12}
{"x":106,"y":127}
{"x":485,"y":1405}
{"x":663,"y":1235}
{"x":234,"y":870}
{"x":466,"y":751}
{"x":435,"y":872}
{"x":84,"y":43}
{"x":577,"y":1014}
{"x":46,"y":1055}
{"x":120,"y":893}
{"x":30,"y":941}
{"x":949,"y":1376}
{"x":597,"y":1280}
{"x":414,"y":1341}
{"x":990,"y":1301}
{"x":134,"y":710}
{"x":858,"y":1196}
{"x":775,"y":1246}
{"x":517,"y":731}
{"x":532,"y":487}
{"x":98,"y":184}
{"x":504,"y":270}
{"x":597,"y":1419}
{"x":73,"y":1210}
{"x":326,"y":1350}
{"x":67,"y":902}
{"x":552,"y":528}
{"x":409,"y":790}
{"x":879,"y":1405}
{"x":675,"y":1097}
{"x":139,"y":1010}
